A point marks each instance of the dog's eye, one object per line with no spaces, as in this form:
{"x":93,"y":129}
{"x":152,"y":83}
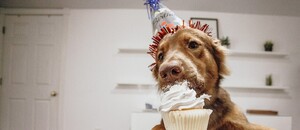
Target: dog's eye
{"x":160,"y":56}
{"x":193,"y":45}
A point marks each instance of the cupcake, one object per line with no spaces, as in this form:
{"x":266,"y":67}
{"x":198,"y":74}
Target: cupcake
{"x":181,"y":110}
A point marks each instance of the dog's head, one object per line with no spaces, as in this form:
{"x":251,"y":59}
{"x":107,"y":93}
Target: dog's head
{"x":189,"y":55}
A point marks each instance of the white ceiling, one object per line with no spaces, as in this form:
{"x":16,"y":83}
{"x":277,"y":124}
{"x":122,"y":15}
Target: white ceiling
{"x":269,"y":7}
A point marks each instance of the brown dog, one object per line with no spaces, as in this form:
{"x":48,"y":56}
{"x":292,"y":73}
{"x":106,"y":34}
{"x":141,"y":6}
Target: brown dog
{"x":190,"y":54}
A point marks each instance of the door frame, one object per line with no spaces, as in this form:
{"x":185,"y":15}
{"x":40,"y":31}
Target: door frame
{"x":65,"y":14}
{"x":1,"y":44}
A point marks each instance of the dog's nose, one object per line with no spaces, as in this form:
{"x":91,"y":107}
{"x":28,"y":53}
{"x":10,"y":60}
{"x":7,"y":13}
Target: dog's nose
{"x":171,"y":71}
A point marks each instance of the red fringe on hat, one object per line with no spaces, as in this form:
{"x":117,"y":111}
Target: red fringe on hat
{"x":166,"y":30}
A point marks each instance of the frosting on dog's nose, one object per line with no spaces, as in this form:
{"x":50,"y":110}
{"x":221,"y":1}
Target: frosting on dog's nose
{"x":171,"y":71}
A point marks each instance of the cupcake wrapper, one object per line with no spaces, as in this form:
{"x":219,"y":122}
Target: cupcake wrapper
{"x":194,"y":119}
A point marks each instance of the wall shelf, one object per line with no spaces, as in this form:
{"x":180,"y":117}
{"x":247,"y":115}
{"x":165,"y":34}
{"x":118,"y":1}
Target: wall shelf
{"x":133,"y":50}
{"x":135,"y":86}
{"x":256,"y":54}
{"x":230,"y":52}
{"x":126,"y":88}
{"x":255,"y":87}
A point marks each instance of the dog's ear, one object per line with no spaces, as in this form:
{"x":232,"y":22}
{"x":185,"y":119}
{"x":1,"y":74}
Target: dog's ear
{"x":219,"y":53}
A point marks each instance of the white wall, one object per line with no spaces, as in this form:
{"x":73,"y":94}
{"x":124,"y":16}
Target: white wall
{"x":94,"y":67}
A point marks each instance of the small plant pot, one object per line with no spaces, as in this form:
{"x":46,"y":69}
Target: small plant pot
{"x":269,"y":81}
{"x":225,"y":42}
{"x":269,"y":48}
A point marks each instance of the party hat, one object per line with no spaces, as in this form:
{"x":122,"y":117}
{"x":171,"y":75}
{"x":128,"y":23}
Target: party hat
{"x":161,"y":16}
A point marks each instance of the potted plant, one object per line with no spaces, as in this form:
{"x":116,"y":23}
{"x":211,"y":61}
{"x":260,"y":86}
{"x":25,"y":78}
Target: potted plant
{"x":268,"y":46}
{"x":269,"y":80}
{"x":225,"y":41}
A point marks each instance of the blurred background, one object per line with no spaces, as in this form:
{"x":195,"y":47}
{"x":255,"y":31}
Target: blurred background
{"x":82,"y":65}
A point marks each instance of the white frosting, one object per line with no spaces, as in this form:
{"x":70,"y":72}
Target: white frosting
{"x":181,"y":97}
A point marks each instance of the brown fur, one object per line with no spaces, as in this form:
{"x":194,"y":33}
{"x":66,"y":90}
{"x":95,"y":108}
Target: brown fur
{"x":209,"y":59}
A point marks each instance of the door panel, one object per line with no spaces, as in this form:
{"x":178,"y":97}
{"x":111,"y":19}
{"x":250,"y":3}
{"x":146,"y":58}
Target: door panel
{"x":44,"y":64}
{"x":19,"y":65}
{"x":17,"y":114}
{"x":42,"y":114}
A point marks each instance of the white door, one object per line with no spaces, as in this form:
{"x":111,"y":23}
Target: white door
{"x":31,"y":72}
